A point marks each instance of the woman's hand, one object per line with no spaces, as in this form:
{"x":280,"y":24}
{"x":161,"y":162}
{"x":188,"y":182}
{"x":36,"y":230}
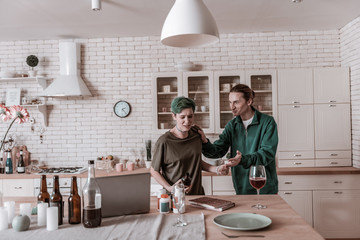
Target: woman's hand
{"x":187,"y":189}
{"x":232,"y":162}
{"x":201,"y":133}
{"x":222,"y":170}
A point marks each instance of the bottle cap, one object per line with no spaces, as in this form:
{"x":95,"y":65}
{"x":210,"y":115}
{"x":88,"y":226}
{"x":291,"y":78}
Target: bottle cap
{"x":91,"y":161}
{"x":164,"y":196}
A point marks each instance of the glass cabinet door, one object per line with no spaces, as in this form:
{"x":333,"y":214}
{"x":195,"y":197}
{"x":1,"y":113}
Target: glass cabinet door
{"x":224,"y":81}
{"x":264,"y":84}
{"x":199,"y":87}
{"x":166,"y":87}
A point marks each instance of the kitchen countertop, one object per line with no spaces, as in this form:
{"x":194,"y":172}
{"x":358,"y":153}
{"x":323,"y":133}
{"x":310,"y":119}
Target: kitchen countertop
{"x":286,"y":223}
{"x":280,"y":171}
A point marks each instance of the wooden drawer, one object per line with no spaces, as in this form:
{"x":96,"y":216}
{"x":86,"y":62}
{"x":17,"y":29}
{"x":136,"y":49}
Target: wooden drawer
{"x":18,"y":187}
{"x":333,"y":154}
{"x":222,"y":183}
{"x":319,"y":182}
{"x":332,"y":162}
{"x":297,"y":155}
{"x":296,"y":163}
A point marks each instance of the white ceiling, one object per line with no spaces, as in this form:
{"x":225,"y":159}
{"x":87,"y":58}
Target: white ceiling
{"x":50,"y":19}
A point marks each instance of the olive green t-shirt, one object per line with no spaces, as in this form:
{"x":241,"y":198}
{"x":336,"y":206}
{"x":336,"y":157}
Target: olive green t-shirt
{"x":174,"y":157}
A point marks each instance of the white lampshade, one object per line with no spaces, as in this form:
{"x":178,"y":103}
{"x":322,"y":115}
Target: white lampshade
{"x":189,"y":24}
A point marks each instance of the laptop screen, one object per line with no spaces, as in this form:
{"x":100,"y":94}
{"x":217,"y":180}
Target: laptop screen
{"x":124,"y":194}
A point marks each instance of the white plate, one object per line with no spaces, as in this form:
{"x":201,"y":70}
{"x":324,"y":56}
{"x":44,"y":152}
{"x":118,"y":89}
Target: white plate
{"x":242,"y":221}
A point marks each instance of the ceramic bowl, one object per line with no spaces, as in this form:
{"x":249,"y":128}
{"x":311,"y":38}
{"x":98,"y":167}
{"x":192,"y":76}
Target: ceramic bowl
{"x":185,"y":66}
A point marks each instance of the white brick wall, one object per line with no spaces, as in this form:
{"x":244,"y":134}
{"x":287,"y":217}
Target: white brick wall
{"x":350,"y":56}
{"x":121,"y":68}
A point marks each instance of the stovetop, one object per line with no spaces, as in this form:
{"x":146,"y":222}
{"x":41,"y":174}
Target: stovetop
{"x":63,"y":170}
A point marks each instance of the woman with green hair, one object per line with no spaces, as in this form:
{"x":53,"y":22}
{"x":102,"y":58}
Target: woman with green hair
{"x":178,"y":151}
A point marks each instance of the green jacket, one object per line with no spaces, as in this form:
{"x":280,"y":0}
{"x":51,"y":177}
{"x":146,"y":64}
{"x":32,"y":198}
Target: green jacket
{"x":257,"y":145}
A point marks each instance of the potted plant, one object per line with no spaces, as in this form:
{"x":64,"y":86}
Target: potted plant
{"x":148,"y":153}
{"x":32,"y":61}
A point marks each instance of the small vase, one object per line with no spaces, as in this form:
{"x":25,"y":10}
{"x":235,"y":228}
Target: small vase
{"x":148,"y":164}
{"x":32,"y":73}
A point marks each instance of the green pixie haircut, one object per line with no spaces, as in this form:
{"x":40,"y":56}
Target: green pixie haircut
{"x":180,"y":103}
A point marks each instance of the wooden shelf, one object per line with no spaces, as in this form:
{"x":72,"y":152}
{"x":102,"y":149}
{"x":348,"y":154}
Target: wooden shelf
{"x":42,"y":81}
{"x":167,"y":93}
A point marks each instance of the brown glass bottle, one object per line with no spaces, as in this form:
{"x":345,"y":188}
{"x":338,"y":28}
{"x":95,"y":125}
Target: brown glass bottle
{"x":91,"y":197}
{"x":186,"y":180}
{"x":56,"y":200}
{"x":43,"y":196}
{"x":74,"y":201}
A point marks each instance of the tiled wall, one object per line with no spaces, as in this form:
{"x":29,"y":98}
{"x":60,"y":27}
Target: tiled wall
{"x":121,"y":68}
{"x":350,"y":56}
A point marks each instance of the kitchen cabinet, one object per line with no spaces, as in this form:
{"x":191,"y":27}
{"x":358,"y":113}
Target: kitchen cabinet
{"x":337,"y":213}
{"x":207,"y":184}
{"x":223,"y":185}
{"x":223,"y":82}
{"x":309,"y":117}
{"x":301,"y":202}
{"x":42,"y":81}
{"x":264,"y":84}
{"x":210,"y":91}
{"x":334,"y":208}
{"x":332,"y":85}
{"x":295,"y":86}
{"x":18,"y":187}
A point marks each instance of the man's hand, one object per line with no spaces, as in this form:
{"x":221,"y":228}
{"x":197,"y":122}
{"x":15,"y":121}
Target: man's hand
{"x":232,"y":162}
{"x":201,"y":133}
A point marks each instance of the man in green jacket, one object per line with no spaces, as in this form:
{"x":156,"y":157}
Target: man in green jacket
{"x":252,"y":137}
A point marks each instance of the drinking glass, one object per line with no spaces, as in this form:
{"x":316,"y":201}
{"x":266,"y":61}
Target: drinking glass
{"x":179,"y":203}
{"x":257,"y":178}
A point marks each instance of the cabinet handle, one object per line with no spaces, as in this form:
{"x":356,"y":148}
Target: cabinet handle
{"x":333,"y":154}
{"x":288,"y":193}
{"x":296,"y":106}
{"x":288,"y":182}
{"x":332,"y":105}
{"x":297,"y":163}
{"x":296,"y":102}
{"x":338,"y":192}
{"x":332,"y":101}
{"x":297,"y":155}
{"x":333,"y":163}
{"x":49,"y":184}
{"x":18,"y":187}
{"x":337,"y":181}
{"x":65,"y":183}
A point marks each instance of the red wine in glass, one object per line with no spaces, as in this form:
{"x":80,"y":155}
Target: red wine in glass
{"x":257,"y":178}
{"x":258,"y":182}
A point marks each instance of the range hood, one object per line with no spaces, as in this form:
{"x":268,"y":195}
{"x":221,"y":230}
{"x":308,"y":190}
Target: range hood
{"x":69,"y":83}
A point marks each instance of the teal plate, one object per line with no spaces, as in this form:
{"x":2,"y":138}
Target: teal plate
{"x":242,"y":221}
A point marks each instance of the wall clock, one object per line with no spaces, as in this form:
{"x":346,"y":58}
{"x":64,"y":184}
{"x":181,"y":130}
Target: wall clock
{"x":122,"y":109}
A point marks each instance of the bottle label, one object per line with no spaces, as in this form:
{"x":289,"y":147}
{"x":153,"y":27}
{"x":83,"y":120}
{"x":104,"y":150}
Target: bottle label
{"x":6,"y":169}
{"x":21,"y":169}
{"x":164,"y":207}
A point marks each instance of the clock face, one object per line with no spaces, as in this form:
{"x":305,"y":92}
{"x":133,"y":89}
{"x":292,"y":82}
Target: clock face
{"x":122,"y":109}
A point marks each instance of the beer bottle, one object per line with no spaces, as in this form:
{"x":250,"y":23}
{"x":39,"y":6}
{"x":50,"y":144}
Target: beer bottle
{"x":74,"y":201}
{"x":43,"y":196}
{"x":91,"y":200}
{"x":9,"y":165}
{"x":56,"y":200}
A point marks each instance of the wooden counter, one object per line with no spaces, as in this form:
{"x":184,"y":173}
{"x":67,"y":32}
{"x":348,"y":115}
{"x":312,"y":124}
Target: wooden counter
{"x":286,"y":223}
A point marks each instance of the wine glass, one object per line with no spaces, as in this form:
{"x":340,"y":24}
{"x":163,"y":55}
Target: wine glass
{"x":179,"y":203}
{"x":257,"y":178}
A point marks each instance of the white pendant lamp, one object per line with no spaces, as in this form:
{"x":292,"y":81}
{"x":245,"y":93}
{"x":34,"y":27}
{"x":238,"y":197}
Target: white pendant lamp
{"x":189,"y":24}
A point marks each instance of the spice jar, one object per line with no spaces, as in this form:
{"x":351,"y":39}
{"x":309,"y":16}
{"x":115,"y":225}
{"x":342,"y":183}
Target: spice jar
{"x":164,"y":203}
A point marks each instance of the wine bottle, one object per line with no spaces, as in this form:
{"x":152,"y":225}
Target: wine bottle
{"x":74,"y":201}
{"x":43,"y":196}
{"x":2,"y":163}
{"x":9,"y":165}
{"x":56,"y":200}
{"x":186,"y":180}
{"x":20,"y":168}
{"x":91,"y":197}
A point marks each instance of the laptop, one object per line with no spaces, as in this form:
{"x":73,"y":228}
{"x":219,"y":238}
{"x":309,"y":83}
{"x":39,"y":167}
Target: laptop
{"x":124,"y":194}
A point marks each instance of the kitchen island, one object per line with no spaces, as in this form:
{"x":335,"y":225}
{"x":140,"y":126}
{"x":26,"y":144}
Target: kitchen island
{"x":286,"y":223}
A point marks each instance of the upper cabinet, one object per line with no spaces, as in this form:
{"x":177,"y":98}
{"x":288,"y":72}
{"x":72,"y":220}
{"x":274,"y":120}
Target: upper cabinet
{"x":264,"y":84}
{"x":295,"y":86}
{"x":166,"y":86}
{"x":223,"y":82}
{"x":331,"y":85}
